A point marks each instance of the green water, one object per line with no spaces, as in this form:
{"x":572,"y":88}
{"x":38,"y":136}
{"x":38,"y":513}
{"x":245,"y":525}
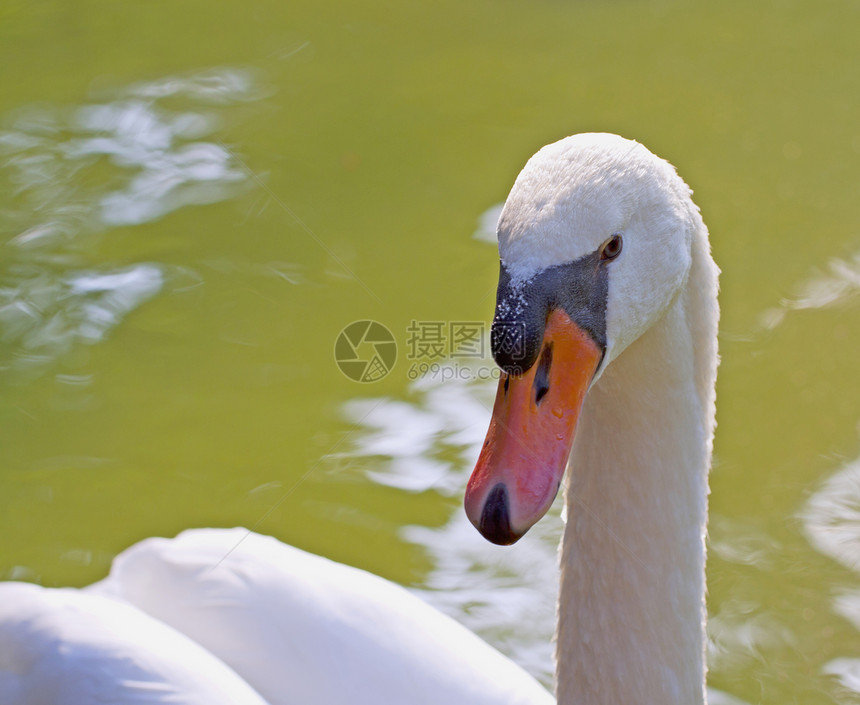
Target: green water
{"x":196,"y":198}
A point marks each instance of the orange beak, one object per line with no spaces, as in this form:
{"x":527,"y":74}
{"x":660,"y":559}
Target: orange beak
{"x":531,"y":433}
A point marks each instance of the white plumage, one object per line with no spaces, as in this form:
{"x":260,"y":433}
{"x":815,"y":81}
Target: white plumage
{"x":229,"y":616}
{"x":67,"y":647}
{"x":304,"y":630}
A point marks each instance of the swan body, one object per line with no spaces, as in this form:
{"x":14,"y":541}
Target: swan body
{"x":66,"y":647}
{"x":228,"y":606}
{"x":304,"y":630}
{"x":605,"y":328}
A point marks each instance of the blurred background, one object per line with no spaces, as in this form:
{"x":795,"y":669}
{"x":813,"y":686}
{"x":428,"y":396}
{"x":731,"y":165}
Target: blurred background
{"x":196,"y":198}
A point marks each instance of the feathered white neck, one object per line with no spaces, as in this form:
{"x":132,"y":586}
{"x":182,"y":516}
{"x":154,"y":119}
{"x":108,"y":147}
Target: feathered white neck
{"x":631,"y":607}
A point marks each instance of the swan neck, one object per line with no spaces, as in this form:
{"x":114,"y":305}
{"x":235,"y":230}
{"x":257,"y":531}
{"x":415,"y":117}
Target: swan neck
{"x":632,"y":600}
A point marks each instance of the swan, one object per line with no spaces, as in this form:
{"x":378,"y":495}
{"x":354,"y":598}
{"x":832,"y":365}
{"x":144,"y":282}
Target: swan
{"x":605,"y":329}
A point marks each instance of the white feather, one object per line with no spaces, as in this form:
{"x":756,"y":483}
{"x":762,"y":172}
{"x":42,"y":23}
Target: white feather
{"x":66,"y":647}
{"x":304,"y":630}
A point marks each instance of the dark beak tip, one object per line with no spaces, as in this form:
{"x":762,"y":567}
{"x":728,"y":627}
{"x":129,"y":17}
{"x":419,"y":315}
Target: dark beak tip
{"x":495,"y":524}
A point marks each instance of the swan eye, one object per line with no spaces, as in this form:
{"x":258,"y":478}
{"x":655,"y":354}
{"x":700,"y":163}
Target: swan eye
{"x":611,"y":248}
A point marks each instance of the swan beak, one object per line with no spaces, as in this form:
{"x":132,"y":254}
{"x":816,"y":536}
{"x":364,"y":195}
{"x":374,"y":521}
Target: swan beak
{"x":531,"y":433}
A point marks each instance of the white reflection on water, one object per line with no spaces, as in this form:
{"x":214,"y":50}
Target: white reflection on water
{"x":739,"y":634}
{"x":125,"y":161}
{"x":846,"y":671}
{"x":740,"y":630}
{"x":45,"y":315}
{"x":838,"y":284}
{"x":69,"y":173}
{"x":486,"y":230}
{"x":832,"y":522}
{"x":832,"y":517}
{"x":170,"y":176}
{"x":221,"y":86}
{"x":741,"y":543}
{"x":847,"y":604}
{"x":408,"y":439}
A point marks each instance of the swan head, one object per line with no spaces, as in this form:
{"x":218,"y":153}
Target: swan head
{"x":595,"y":245}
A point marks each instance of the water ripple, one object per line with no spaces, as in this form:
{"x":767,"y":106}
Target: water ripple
{"x":46,"y":314}
{"x":832,"y":517}
{"x":847,"y":672}
{"x":54,"y":159}
{"x":831,"y":520}
{"x":68,"y":175}
{"x":839,"y":284}
{"x":487,"y":221}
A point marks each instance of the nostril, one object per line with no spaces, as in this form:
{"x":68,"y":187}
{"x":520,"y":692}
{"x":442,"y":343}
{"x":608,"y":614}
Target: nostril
{"x":541,"y":382}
